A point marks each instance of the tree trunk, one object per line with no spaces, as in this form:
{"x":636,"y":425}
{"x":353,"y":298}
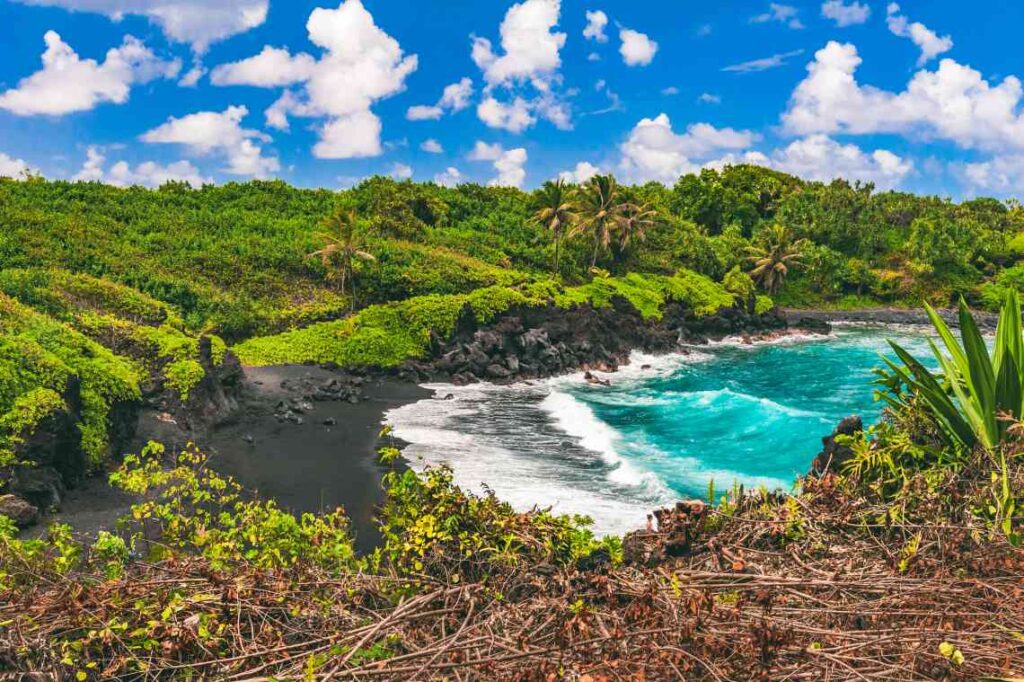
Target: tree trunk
{"x":558,"y":252}
{"x":597,"y":246}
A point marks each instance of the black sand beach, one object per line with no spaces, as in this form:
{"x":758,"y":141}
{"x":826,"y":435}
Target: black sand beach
{"x":327,"y":461}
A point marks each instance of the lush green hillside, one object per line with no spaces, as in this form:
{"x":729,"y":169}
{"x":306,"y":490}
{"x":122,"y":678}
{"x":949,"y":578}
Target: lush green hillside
{"x":114,"y":286}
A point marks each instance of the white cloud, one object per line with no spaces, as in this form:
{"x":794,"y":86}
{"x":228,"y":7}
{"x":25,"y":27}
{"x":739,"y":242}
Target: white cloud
{"x":361,"y":64}
{"x":779,"y":13}
{"x":192,"y":76}
{"x":952,"y":103}
{"x":11,"y":167}
{"x":670,"y":91}
{"x":773,"y":62}
{"x":211,"y":132}
{"x":271,"y":68}
{"x":454,"y":98}
{"x":421,"y":112}
{"x":146,"y":174}
{"x":637,"y":49}
{"x":819,"y":157}
{"x":653,"y":151}
{"x":1002,"y":174}
{"x":583,"y":171}
{"x":507,"y":162}
{"x":845,"y":14}
{"x":596,"y":23}
{"x":401,"y":171}
{"x":531,"y":46}
{"x":449,"y":178}
{"x":931,"y":44}
{"x":708,"y":98}
{"x":531,"y":58}
{"x":67,"y":83}
{"x":514,"y":117}
{"x":432,"y":146}
{"x":199,"y":23}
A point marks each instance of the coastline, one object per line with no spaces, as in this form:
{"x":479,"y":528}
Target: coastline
{"x":883,"y":316}
{"x":329,"y":458}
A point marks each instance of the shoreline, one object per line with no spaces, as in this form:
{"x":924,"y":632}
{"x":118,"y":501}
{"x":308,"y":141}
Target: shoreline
{"x":329,"y":458}
{"x":883,"y":316}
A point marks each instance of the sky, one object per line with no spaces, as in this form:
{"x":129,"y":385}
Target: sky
{"x":919,"y":96}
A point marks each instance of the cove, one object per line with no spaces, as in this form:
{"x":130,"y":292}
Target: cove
{"x":665,"y":428}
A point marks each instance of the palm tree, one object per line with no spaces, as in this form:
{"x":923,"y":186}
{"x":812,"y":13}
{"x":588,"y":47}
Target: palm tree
{"x":602,"y":212}
{"x":775,"y":256}
{"x":555,"y":211}
{"x":634,"y":227}
{"x":342,"y":248}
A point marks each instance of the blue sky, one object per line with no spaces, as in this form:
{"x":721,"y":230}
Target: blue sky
{"x":922,"y":96}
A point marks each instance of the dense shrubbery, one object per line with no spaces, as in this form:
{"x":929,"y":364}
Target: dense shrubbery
{"x":386,"y":335}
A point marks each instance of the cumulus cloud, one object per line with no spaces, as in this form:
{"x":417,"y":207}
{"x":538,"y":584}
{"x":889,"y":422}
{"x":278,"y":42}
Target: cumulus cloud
{"x":67,"y":83}
{"x":529,"y":58}
{"x":1003,"y":174}
{"x":12,"y":168}
{"x":454,"y":98}
{"x":708,"y":98}
{"x":952,"y":103}
{"x":221,"y":133}
{"x":146,"y":174}
{"x":271,"y":68}
{"x":819,"y":157}
{"x":653,"y":151}
{"x":930,"y":43}
{"x":779,"y":13}
{"x":583,"y":171}
{"x":764,"y":64}
{"x":432,"y":146}
{"x":596,"y":23}
{"x":670,"y":91}
{"x":637,"y":49}
{"x":845,"y":14}
{"x":360,"y":65}
{"x":507,"y":162}
{"x":515,"y":117}
{"x":531,"y":46}
{"x":400,"y":171}
{"x":449,"y":178}
{"x":199,"y":23}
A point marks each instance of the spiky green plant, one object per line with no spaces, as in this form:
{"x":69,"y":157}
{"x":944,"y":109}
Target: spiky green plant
{"x":978,"y":394}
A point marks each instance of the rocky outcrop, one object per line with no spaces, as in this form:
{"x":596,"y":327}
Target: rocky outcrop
{"x":54,"y":451}
{"x":676,"y":533}
{"x":535,"y":342}
{"x":18,"y":510}
{"x":835,"y":453}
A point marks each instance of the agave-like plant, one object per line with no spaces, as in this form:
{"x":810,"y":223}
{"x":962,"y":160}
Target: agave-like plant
{"x":978,"y":395}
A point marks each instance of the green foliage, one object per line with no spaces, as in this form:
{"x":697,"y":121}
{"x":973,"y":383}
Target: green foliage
{"x":433,"y":528}
{"x":37,"y":351}
{"x":198,"y":511}
{"x":27,"y":412}
{"x":387,"y":335}
{"x":978,"y":395}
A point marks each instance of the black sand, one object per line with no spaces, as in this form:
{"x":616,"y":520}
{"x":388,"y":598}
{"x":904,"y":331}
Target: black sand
{"x":311,"y":467}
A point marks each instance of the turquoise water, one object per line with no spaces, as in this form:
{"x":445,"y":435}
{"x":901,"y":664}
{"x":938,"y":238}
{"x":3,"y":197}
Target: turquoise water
{"x":754,"y":414}
{"x":725,"y":412}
